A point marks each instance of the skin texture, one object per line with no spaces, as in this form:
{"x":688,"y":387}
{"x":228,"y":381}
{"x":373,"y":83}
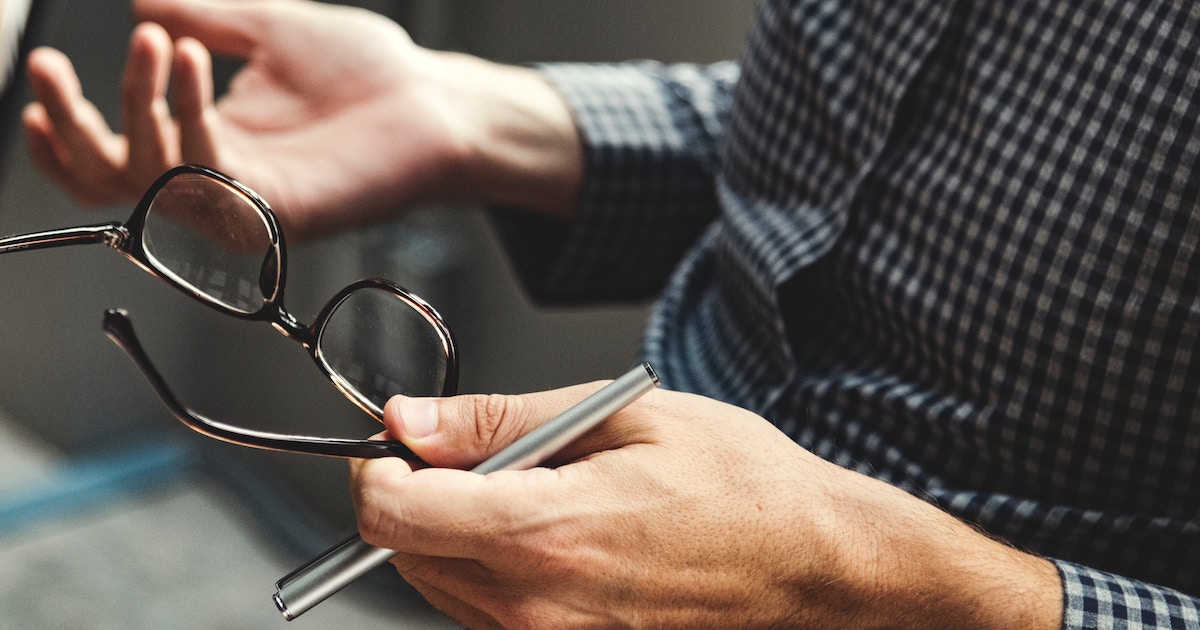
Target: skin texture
{"x":680,"y":511}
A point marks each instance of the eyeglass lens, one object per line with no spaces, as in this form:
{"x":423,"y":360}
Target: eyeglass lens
{"x":377,"y":345}
{"x":210,"y":237}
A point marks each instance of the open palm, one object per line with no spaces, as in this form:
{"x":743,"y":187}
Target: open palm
{"x":335,"y":117}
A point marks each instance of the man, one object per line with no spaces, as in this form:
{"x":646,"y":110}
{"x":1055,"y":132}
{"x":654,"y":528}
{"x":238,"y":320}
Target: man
{"x":928,"y":300}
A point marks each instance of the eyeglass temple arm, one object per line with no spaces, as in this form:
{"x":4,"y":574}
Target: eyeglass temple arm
{"x":119,"y":329}
{"x":107,"y":233}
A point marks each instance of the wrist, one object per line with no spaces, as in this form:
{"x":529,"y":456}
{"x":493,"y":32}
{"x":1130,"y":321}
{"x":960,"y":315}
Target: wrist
{"x":920,"y":567}
{"x":517,"y":143}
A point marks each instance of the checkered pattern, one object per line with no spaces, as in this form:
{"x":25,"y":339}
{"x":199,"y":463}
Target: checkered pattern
{"x":949,"y":244}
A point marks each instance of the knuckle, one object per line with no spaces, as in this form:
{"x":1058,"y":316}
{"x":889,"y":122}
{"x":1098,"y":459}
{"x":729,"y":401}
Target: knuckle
{"x":371,"y":526}
{"x":498,"y":420}
{"x":369,"y":516}
{"x":370,"y":491}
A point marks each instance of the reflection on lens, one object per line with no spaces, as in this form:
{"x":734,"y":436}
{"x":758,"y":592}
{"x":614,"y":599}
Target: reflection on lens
{"x":377,"y":345}
{"x":212,"y":238}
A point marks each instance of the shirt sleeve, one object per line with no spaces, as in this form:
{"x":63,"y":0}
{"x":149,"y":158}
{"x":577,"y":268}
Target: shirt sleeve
{"x":652,"y":137}
{"x":1096,"y":599}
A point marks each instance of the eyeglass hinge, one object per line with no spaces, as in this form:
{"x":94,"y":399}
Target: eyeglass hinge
{"x":116,"y":236}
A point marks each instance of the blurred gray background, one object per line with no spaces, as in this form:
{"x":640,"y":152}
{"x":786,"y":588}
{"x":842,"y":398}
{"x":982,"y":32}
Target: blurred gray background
{"x":67,"y":395}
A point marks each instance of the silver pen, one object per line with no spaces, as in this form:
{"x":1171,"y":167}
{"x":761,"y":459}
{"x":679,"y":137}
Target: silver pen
{"x":331,"y":571}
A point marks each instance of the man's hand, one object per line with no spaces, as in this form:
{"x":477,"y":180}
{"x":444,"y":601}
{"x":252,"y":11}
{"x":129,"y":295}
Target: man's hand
{"x":679,"y":511}
{"x":336,"y":117}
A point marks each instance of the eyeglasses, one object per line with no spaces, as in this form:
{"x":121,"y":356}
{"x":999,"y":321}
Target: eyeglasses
{"x":219,"y":242}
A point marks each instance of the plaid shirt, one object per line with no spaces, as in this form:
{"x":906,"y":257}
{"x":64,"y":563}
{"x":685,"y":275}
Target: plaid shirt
{"x":949,"y":244}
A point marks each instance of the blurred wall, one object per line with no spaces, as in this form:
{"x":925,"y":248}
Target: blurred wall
{"x":66,"y":382}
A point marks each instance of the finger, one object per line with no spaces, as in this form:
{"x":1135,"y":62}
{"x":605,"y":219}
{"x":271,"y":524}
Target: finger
{"x":192,"y":85}
{"x":462,"y":431}
{"x":92,"y":155}
{"x":44,"y":152}
{"x":149,"y":130}
{"x":226,"y":27}
{"x":454,"y":607}
{"x":441,"y":512}
{"x":436,"y":580}
{"x":39,"y":133}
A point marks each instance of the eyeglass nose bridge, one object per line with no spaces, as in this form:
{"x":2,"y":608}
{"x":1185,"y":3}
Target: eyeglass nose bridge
{"x":288,"y":326}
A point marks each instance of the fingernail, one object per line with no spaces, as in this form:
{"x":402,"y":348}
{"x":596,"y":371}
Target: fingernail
{"x":419,"y":417}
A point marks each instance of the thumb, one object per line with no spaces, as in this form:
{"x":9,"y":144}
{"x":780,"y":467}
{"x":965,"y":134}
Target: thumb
{"x":462,"y":431}
{"x":226,"y":27}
